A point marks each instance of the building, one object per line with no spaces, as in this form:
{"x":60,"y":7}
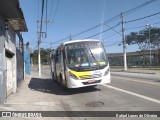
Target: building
{"x":136,"y":59}
{"x":12,"y":23}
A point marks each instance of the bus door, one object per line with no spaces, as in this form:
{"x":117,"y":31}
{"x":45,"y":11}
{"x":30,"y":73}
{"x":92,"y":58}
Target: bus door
{"x":63,"y":66}
{"x":58,"y":64}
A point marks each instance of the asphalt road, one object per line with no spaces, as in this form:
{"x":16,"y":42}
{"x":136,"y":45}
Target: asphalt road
{"x":124,"y":93}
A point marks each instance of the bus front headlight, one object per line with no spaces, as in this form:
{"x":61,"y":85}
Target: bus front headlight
{"x":73,"y":76}
{"x":106,"y":72}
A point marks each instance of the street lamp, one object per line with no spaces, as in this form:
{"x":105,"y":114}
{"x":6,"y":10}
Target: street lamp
{"x":149,"y":28}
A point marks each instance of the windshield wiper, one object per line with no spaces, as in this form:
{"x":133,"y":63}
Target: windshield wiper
{"x":93,"y":57}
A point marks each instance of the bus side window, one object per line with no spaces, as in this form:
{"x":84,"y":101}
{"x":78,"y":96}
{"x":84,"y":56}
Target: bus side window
{"x":58,"y":56}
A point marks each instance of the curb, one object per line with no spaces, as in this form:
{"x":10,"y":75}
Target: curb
{"x":133,"y":72}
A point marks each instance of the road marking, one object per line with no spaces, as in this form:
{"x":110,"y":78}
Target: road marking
{"x":134,"y":94}
{"x":138,"y":80}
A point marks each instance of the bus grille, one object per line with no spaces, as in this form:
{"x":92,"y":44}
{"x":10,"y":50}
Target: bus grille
{"x":86,"y":83}
{"x":90,"y":76}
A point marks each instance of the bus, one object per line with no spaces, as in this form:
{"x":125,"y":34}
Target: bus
{"x":81,"y":63}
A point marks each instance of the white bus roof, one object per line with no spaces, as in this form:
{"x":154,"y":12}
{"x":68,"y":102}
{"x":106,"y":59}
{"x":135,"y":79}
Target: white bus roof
{"x":73,"y":41}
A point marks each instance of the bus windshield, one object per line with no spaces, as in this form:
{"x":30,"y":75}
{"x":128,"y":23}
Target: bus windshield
{"x":86,"y":56}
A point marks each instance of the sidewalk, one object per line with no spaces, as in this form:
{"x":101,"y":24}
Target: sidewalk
{"x":153,"y":75}
{"x":34,"y":94}
{"x":137,"y":70}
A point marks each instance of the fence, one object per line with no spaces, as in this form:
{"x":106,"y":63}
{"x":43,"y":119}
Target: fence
{"x":136,"y":59}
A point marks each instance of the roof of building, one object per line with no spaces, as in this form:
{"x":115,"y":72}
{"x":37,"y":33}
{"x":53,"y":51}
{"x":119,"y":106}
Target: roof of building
{"x":12,"y":12}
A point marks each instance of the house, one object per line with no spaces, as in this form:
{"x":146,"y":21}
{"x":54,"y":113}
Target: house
{"x":12,"y":23}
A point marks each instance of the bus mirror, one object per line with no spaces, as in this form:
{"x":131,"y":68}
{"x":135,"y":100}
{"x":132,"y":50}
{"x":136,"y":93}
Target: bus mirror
{"x":62,"y":47}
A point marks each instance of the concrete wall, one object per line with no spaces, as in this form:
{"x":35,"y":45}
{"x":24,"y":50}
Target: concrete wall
{"x":2,"y":61}
{"x":11,"y":63}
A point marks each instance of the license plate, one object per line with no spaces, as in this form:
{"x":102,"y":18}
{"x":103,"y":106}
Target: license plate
{"x":91,"y":81}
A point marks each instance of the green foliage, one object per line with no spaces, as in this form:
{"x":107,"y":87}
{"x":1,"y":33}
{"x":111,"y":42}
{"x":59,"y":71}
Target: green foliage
{"x":34,"y":57}
{"x":44,"y":55}
{"x":141,"y":38}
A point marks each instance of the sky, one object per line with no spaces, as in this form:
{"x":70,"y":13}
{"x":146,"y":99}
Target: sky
{"x":70,"y":17}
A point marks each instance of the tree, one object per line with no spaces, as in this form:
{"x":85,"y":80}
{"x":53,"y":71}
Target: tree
{"x":44,"y":56}
{"x":143,"y":41}
{"x":34,"y":56}
{"x":141,"y":38}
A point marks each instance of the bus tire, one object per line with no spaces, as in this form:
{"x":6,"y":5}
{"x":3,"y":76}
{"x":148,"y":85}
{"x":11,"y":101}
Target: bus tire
{"x":55,"y":78}
{"x":60,"y":79}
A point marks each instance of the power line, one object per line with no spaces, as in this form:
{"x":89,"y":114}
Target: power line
{"x":103,"y":31}
{"x":134,"y":27}
{"x":55,"y":10}
{"x":41,"y":19}
{"x":35,"y":48}
{"x":143,"y":17}
{"x":109,"y":27}
{"x":113,"y":44}
{"x":51,"y":9}
{"x":134,"y":21}
{"x":46,"y":13}
{"x":112,"y":19}
{"x":141,"y":26}
{"x":110,"y":36}
{"x":156,"y":23}
{"x":138,"y":7}
{"x":38,"y":9}
{"x":30,"y":36}
{"x":54,"y":15}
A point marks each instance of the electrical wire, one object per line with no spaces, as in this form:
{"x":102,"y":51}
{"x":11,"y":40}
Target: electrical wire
{"x":113,"y":19}
{"x":46,"y":14}
{"x":54,"y":15}
{"x":138,"y":7}
{"x":55,"y":10}
{"x":110,"y":20}
{"x":142,"y":18}
{"x":110,"y":35}
{"x":41,"y":19}
{"x":141,"y":26}
{"x":38,"y":10}
{"x":103,"y":31}
{"x":113,"y":44}
{"x":51,"y":9}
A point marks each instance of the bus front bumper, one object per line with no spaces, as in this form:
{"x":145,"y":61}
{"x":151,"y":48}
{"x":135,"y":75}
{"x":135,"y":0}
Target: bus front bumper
{"x":72,"y":83}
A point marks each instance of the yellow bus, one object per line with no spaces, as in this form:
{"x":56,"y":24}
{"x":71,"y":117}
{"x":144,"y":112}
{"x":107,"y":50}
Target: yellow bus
{"x":80,"y":63}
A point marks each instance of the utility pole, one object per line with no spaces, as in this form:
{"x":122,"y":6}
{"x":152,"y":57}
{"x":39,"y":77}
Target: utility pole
{"x":150,"y":58}
{"x":39,"y":51}
{"x":150,"y":61}
{"x":40,"y":34}
{"x":124,"y":45}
